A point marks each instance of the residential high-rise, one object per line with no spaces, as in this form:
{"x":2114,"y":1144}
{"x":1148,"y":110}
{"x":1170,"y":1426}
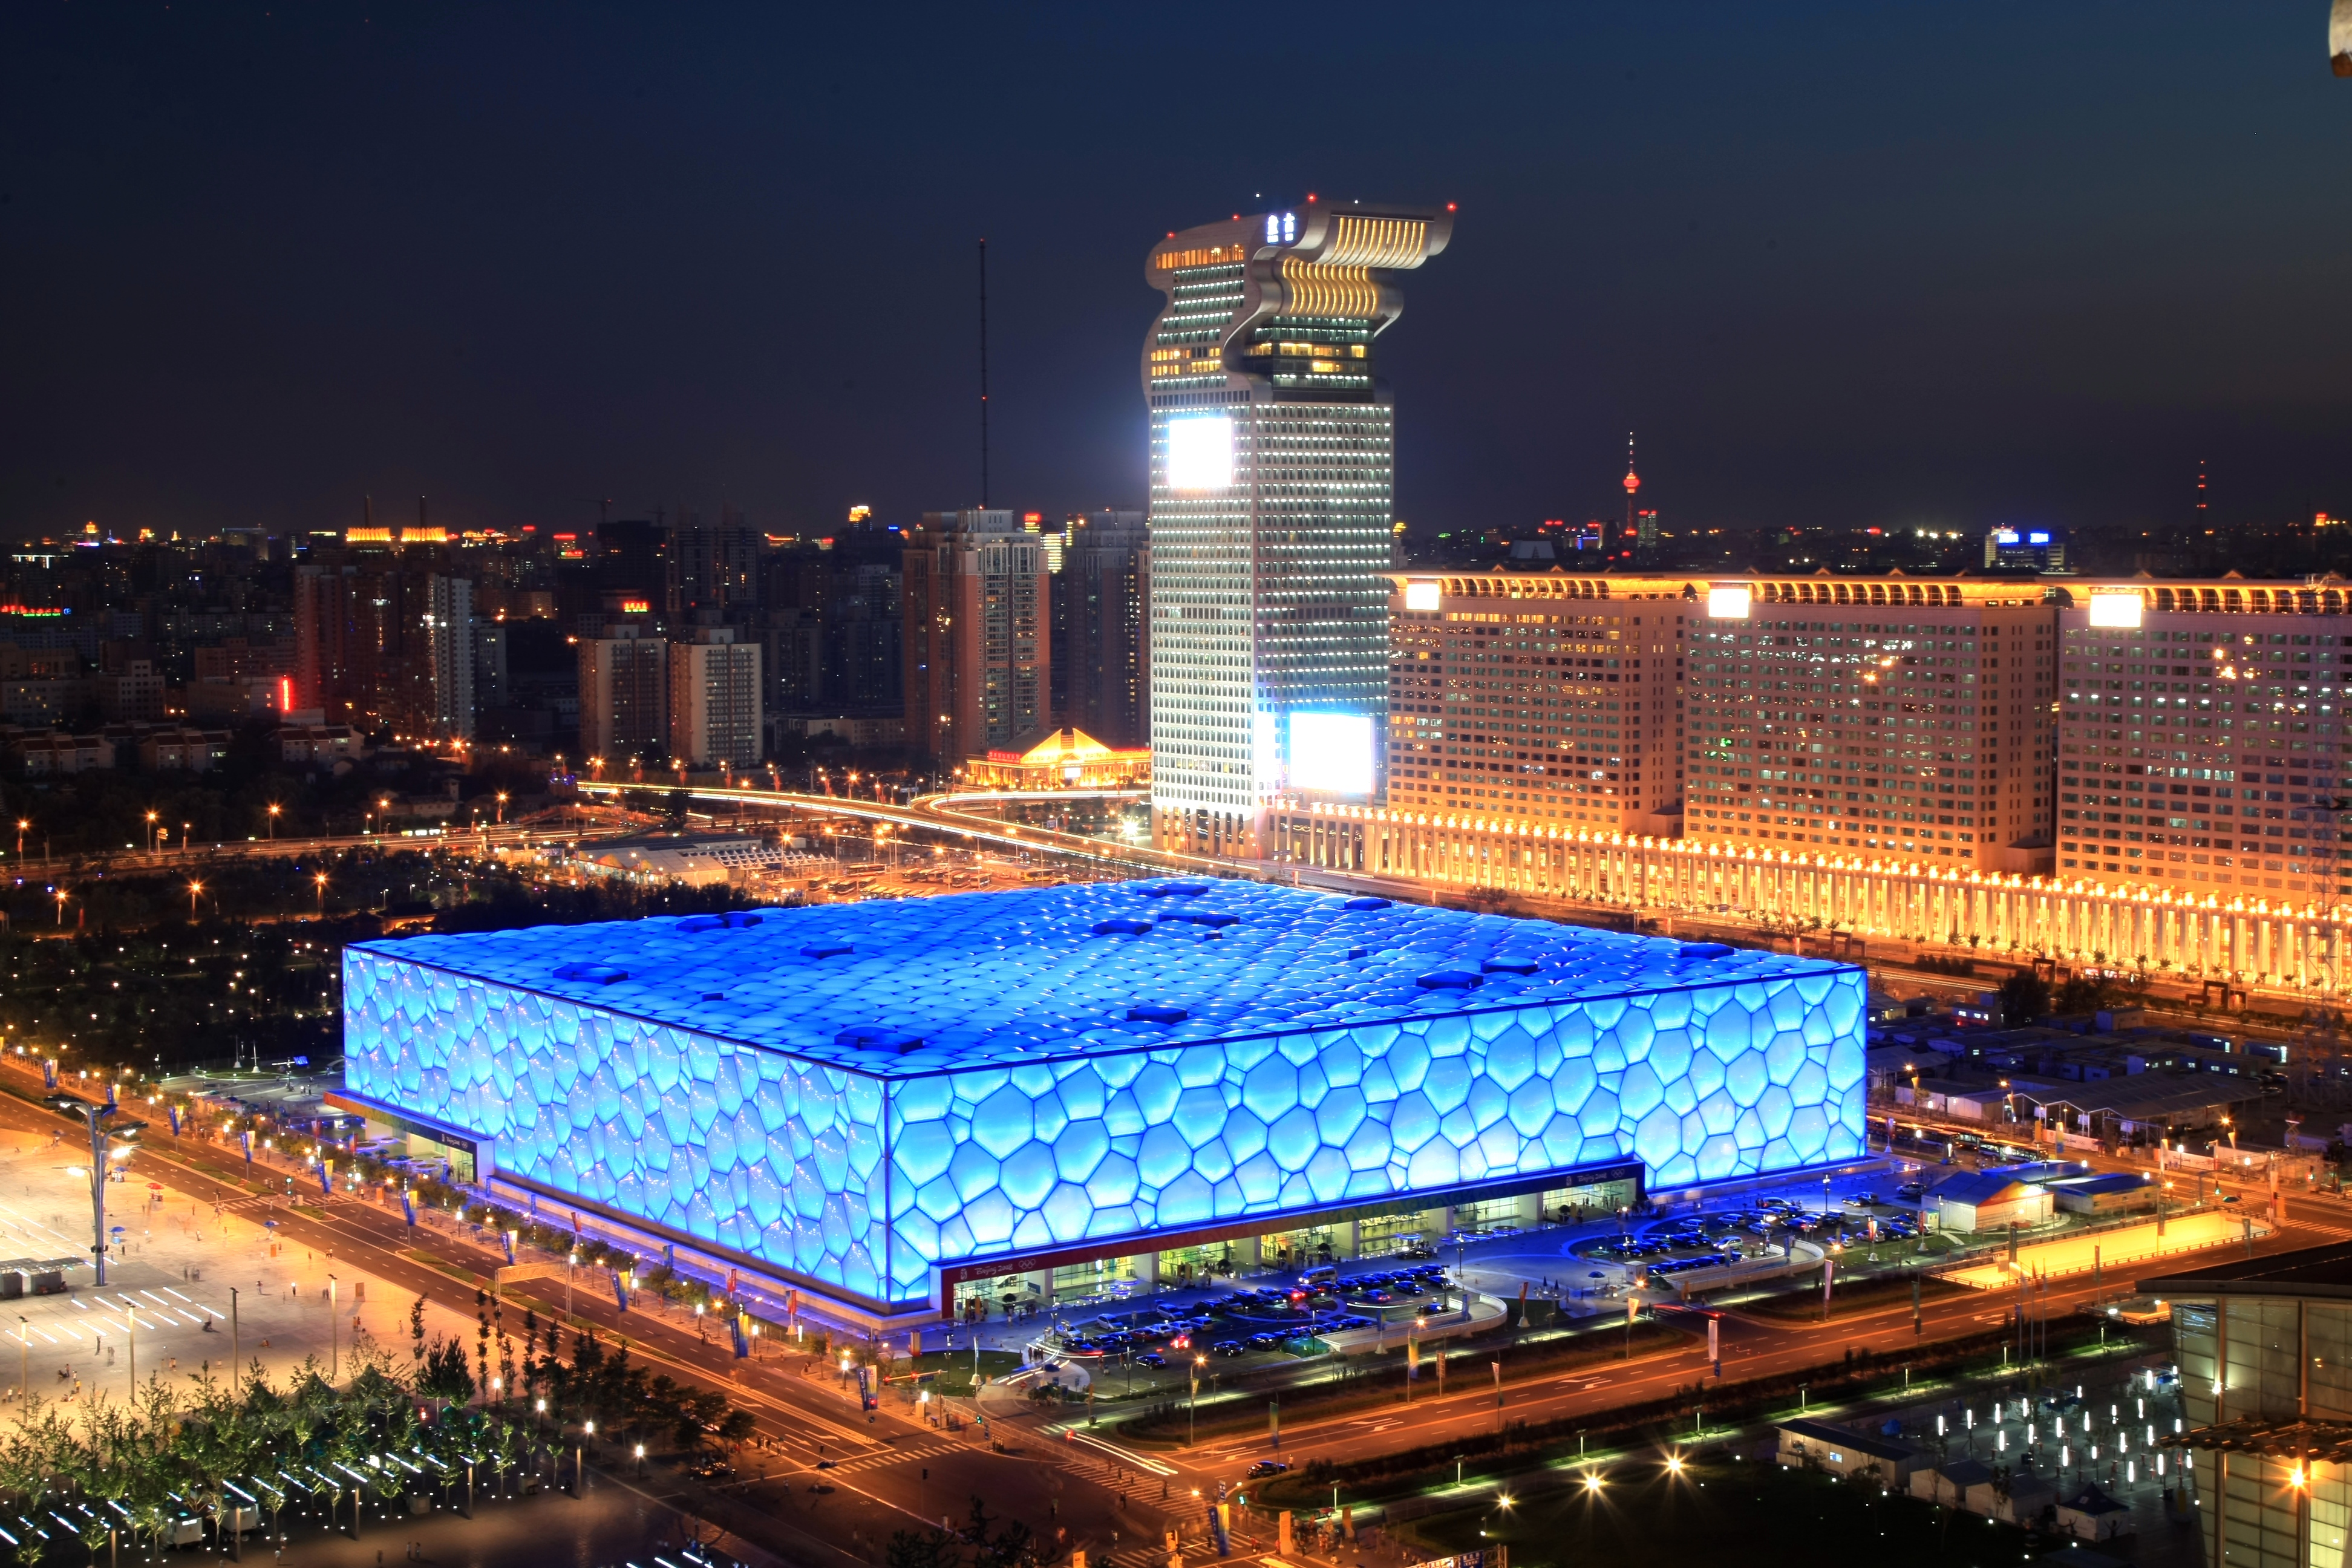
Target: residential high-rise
{"x":978,"y":640}
{"x":623,"y":692}
{"x":450,"y":644}
{"x":327,"y":638}
{"x":1878,"y":717}
{"x":633,"y":559}
{"x":2201,"y":736}
{"x":1102,"y":655}
{"x":717,"y":567}
{"x":714,"y":699}
{"x":1273,"y":469}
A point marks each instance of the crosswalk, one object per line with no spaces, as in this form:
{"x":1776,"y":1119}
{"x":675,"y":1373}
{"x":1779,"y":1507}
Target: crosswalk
{"x":886,"y":1456}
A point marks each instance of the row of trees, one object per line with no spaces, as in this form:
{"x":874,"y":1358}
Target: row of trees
{"x":137,"y":1465}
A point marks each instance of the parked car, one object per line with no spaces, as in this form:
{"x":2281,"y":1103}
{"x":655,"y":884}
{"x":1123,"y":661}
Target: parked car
{"x":1265,"y":1341}
{"x":1226,"y":1348}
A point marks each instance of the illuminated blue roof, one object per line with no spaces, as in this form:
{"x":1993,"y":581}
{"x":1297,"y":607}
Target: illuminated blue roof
{"x":903,"y":987}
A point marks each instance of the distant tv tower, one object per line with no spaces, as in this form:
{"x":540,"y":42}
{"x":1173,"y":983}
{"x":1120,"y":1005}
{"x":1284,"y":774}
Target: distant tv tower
{"x":2200,"y":490}
{"x":1632,"y":485}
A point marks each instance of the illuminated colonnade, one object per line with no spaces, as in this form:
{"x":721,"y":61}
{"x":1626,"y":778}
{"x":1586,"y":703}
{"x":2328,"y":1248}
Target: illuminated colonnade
{"x":2250,"y":941}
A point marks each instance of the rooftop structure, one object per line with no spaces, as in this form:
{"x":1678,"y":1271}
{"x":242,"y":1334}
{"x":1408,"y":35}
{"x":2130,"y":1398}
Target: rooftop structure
{"x":859,"y":1098}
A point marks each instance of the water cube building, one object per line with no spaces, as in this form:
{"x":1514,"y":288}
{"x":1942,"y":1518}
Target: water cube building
{"x":896,"y":1106}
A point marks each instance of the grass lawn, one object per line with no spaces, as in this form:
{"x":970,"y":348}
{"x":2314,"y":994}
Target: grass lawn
{"x":1759,"y":1516}
{"x":954,"y":1368}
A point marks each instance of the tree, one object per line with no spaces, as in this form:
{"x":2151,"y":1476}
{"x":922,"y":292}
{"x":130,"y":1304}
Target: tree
{"x":922,"y":1549}
{"x":2024,"y":996}
{"x":443,"y":1374}
{"x":2083,"y":994}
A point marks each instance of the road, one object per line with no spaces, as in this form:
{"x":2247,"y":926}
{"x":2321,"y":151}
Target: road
{"x":1752,"y":1348}
{"x":893,"y":1471}
{"x":889,"y":1473}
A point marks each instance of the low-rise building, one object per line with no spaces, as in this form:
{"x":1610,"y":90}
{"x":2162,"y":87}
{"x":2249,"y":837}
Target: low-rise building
{"x":1990,"y":1200}
{"x":1948,"y":1481}
{"x":319,"y":745}
{"x":2117,"y":1192}
{"x":52,"y":754}
{"x":2092,"y":1515}
{"x":1822,"y":1444}
{"x":2017,"y":1497}
{"x":186,"y":751}
{"x":1058,"y":759}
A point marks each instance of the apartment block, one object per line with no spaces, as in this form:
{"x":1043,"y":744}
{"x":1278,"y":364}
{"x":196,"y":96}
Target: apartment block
{"x":623,"y":693}
{"x":978,"y":633}
{"x":714,"y":699}
{"x":1873,"y":716}
{"x":2199,"y":737}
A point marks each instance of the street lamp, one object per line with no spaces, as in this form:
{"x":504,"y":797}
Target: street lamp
{"x":195,"y":887}
{"x":22,"y":824}
{"x":319,"y":881}
{"x":273,"y":809}
{"x":502,"y":808}
{"x":152,"y":831}
{"x":61,"y":906}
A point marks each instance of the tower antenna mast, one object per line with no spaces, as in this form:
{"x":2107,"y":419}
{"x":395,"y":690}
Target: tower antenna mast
{"x":983,"y":374}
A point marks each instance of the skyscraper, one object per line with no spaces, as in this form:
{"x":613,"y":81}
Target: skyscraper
{"x":979,"y":637}
{"x":449,"y":642}
{"x":623,"y":692}
{"x":714,"y":699}
{"x":1273,"y":470}
{"x":1102,"y":660}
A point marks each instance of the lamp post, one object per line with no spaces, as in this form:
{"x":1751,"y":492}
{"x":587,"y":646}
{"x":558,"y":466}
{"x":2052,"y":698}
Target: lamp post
{"x":96,"y":1115}
{"x":195,"y":887}
{"x":22,"y":824}
{"x":319,"y":881}
{"x":152,"y":842}
{"x":1192,"y":1412}
{"x":273,"y":809}
{"x":334,"y":1338}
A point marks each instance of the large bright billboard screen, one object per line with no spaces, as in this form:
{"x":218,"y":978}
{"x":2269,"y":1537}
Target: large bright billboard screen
{"x":1331,"y":753}
{"x":1200,"y":452}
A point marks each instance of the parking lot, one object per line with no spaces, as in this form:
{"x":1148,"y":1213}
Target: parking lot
{"x":1251,"y":1325}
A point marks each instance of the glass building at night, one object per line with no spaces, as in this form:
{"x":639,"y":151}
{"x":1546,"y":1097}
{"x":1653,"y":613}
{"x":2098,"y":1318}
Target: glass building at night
{"x":1273,"y":487}
{"x":896,"y":1105}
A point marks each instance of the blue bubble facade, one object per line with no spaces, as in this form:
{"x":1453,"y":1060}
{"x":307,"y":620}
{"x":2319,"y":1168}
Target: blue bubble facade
{"x":852,"y":1096}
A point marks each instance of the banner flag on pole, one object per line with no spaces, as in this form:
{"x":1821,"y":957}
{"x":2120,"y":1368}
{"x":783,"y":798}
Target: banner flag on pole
{"x":620,"y":1291}
{"x":408,"y":1208}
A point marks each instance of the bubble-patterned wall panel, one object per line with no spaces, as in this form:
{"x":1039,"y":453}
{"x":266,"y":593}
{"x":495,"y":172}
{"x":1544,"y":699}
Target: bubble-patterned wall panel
{"x":851,"y":1095}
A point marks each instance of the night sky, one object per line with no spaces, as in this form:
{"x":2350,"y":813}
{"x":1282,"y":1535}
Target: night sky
{"x":1898,"y":264}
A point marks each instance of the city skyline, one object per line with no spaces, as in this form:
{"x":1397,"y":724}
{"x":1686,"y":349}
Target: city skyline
{"x":270,"y":306}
